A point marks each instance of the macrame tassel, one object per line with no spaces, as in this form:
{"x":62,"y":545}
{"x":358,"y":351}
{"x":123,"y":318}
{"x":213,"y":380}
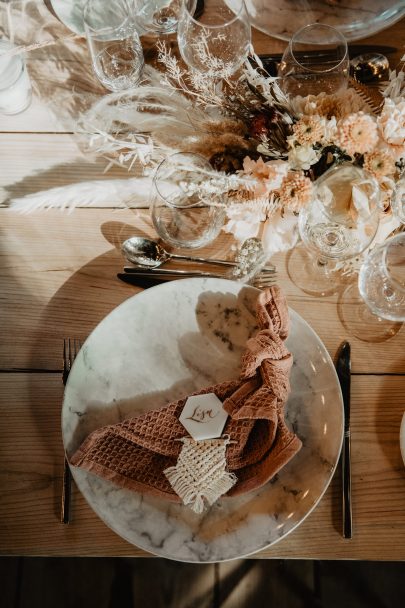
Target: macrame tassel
{"x":199,"y":476}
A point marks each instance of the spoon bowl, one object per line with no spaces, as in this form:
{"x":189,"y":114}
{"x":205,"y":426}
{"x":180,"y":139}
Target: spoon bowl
{"x":144,"y":252}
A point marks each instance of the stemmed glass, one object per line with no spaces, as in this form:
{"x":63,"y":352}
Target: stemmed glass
{"x":182,"y":216}
{"x":114,"y":43}
{"x":338,"y":224}
{"x":382,"y":279}
{"x":217,"y":42}
{"x":316,"y":60}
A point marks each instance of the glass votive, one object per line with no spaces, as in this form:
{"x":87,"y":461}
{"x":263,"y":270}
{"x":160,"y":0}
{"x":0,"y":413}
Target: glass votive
{"x":182,"y":215}
{"x":316,"y":60}
{"x":114,"y":43}
{"x":15,"y":85}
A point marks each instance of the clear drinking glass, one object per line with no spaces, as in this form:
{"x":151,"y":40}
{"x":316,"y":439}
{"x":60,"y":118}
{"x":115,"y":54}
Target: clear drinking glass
{"x":316,"y":60}
{"x":382,"y":279}
{"x":180,"y":215}
{"x":339,"y":223}
{"x":217,"y":42}
{"x":161,"y":16}
{"x":114,"y":43}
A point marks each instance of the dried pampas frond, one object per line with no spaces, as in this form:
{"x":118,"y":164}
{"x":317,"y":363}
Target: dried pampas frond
{"x":133,"y":193}
{"x":144,"y":123}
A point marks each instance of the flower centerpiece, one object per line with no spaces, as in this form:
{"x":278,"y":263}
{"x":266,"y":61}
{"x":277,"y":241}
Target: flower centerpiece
{"x":266,"y":149}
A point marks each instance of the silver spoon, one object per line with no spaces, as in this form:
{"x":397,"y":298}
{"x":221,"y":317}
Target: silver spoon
{"x":145,"y":252}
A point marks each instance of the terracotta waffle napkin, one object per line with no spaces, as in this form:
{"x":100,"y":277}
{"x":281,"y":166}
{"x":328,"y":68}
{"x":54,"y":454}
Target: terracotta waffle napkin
{"x":134,"y":453}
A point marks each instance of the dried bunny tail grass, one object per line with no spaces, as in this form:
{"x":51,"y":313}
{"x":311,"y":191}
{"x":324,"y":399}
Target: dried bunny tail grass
{"x":225,"y":125}
{"x":209,"y":145}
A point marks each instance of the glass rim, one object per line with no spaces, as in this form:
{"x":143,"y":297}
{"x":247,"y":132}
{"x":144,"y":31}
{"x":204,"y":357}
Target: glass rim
{"x":108,"y":28}
{"x":334,"y":169}
{"x":225,"y":24}
{"x":328,"y":27}
{"x":155,"y":180}
{"x":385,"y":247}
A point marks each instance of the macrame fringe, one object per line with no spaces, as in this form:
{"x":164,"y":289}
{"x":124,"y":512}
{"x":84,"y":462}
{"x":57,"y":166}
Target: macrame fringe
{"x":193,"y":498}
{"x":199,"y":477}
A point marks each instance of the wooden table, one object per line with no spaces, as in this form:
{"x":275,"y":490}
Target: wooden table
{"x":58,"y":279}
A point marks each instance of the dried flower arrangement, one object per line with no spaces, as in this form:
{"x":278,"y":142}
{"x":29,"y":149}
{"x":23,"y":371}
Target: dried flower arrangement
{"x":266,"y":150}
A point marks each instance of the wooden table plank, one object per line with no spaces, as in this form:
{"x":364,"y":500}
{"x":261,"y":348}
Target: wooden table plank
{"x":58,"y":276}
{"x":32,"y":463}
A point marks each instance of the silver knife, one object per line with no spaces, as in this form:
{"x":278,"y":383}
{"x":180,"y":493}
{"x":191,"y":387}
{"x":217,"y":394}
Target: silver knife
{"x":343,"y":369}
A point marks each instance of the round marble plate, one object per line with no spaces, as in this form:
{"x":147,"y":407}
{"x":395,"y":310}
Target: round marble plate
{"x":171,"y":340}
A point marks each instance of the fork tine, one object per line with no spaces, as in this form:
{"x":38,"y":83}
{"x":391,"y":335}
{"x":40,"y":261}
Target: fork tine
{"x":263,"y":283}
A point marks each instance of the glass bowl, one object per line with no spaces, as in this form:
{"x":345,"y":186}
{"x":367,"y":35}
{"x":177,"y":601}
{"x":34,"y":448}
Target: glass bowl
{"x":354,"y":18}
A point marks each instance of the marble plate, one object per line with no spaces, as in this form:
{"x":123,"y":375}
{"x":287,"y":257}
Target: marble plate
{"x":171,"y":340}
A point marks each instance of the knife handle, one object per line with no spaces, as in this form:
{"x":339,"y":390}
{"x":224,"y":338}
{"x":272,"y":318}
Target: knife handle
{"x":347,"y":487}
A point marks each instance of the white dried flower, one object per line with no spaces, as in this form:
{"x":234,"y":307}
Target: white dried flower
{"x":391,"y":127}
{"x":302,"y":157}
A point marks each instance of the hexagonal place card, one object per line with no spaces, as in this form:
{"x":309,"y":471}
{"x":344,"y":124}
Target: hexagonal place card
{"x":203,"y":416}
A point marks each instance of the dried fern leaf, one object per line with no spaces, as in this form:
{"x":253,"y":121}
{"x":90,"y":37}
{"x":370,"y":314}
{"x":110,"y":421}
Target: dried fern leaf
{"x":371,"y":95}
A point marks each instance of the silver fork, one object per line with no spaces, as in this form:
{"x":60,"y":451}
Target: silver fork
{"x":71,"y":347}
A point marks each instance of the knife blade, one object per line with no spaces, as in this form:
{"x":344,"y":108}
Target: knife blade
{"x":343,"y":370}
{"x":141,"y":281}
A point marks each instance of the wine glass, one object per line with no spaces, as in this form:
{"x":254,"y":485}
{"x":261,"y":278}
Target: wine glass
{"x":160,"y":16}
{"x":217,"y":42}
{"x":114,"y":43}
{"x":182,"y":216}
{"x":339,"y":223}
{"x":382,"y":279}
{"x":316,"y":60}
{"x":373,"y":308}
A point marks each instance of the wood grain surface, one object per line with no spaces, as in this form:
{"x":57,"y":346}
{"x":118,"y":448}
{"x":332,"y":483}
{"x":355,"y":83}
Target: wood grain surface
{"x":32,"y":466}
{"x":58,"y":279}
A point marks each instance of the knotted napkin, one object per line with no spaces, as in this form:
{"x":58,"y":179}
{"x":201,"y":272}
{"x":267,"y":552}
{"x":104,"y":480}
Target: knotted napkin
{"x":135,"y":453}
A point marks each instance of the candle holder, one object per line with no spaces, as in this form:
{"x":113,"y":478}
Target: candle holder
{"x":15,"y":84}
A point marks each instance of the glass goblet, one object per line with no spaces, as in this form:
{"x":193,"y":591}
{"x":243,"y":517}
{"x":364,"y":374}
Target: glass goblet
{"x":217,"y":42}
{"x":181,"y":215}
{"x":382,"y":279}
{"x":316,"y":60}
{"x":373,"y":308}
{"x":338,"y":224}
{"x":114,"y":44}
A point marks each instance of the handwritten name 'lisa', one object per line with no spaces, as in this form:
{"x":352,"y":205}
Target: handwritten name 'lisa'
{"x":202,"y":415}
